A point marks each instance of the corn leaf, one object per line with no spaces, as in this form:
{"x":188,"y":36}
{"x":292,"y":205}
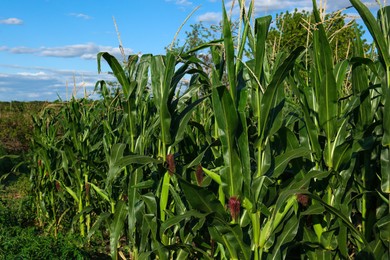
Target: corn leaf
{"x":374,"y":29}
{"x":261,"y":31}
{"x":116,"y":69}
{"x":116,"y":226}
{"x":162,"y":71}
{"x":268,"y":111}
{"x":287,"y":234}
{"x":281,"y":161}
{"x":202,"y":200}
{"x":231,"y":236}
{"x":229,"y":54}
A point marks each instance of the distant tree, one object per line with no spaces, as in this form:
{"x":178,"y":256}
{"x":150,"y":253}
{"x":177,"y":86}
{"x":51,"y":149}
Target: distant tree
{"x":294,"y":29}
{"x":289,"y":30}
{"x":201,"y":34}
{"x":198,"y":35}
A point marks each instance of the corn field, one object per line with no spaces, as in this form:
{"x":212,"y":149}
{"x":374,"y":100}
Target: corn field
{"x":270,"y":156}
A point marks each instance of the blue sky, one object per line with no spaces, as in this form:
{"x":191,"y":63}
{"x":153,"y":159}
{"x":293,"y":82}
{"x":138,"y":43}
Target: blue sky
{"x":48,"y":47}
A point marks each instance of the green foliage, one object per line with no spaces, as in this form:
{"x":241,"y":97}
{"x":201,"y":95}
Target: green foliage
{"x":19,"y":239}
{"x":294,"y":29}
{"x":255,"y":158}
{"x":26,"y":243}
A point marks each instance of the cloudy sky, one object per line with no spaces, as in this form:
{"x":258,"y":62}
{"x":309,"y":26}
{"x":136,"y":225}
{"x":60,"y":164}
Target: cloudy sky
{"x":48,"y":47}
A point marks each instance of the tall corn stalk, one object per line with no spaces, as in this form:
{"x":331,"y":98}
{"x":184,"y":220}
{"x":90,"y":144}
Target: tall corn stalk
{"x":232,"y":166}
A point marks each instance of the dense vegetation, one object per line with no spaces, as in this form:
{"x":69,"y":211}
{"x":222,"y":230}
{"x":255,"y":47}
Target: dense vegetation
{"x":20,"y":237}
{"x":15,"y":134}
{"x":16,"y":125}
{"x":278,"y":155}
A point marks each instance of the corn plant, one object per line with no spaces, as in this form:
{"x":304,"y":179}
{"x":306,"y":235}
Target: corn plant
{"x":272,"y":155}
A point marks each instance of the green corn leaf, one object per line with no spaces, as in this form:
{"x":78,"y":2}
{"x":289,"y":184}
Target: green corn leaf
{"x":101,"y":192}
{"x":276,"y":117}
{"x":358,"y":61}
{"x":281,"y":161}
{"x":316,"y":209}
{"x":71,"y":192}
{"x":310,"y":132}
{"x":342,"y":156}
{"x":327,"y":88}
{"x":202,"y":199}
{"x":229,"y":54}
{"x":242,"y":42}
{"x":198,"y":159}
{"x":164,"y":194}
{"x":65,"y":162}
{"x":116,"y":69}
{"x":231,"y":236}
{"x":133,"y":199}
{"x":385,"y":155}
{"x":342,"y":240}
{"x":178,"y":218}
{"x":216,"y":177}
{"x":180,"y":123}
{"x":205,"y":46}
{"x":374,"y":29}
{"x":162,"y":71}
{"x":150,"y":222}
{"x":268,"y":112}
{"x":386,"y":118}
{"x":287,"y":234}
{"x":356,"y":233}
{"x":117,"y":226}
{"x":117,"y":161}
{"x":385,"y":170}
{"x":180,"y":206}
{"x":97,"y":225}
{"x":262,"y":25}
{"x":288,"y":138}
{"x":150,"y":202}
{"x":227,"y":121}
{"x":360,"y":84}
{"x":283,"y":205}
{"x":384,"y":228}
{"x":144,"y":184}
{"x":378,"y":251}
{"x":142,"y":76}
{"x":242,"y":133}
{"x":304,"y":183}
{"x":340,"y":73}
{"x":9,"y":156}
{"x":136,"y":159}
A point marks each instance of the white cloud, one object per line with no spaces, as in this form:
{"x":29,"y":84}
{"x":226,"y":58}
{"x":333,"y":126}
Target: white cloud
{"x":20,"y":50}
{"x":4,"y":90}
{"x":40,"y":74}
{"x":84,"y":51}
{"x":39,"y":83}
{"x":80,"y":15}
{"x":69,"y":51}
{"x":211,"y":17}
{"x":181,"y":3}
{"x":12,"y":21}
{"x":270,"y":6}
